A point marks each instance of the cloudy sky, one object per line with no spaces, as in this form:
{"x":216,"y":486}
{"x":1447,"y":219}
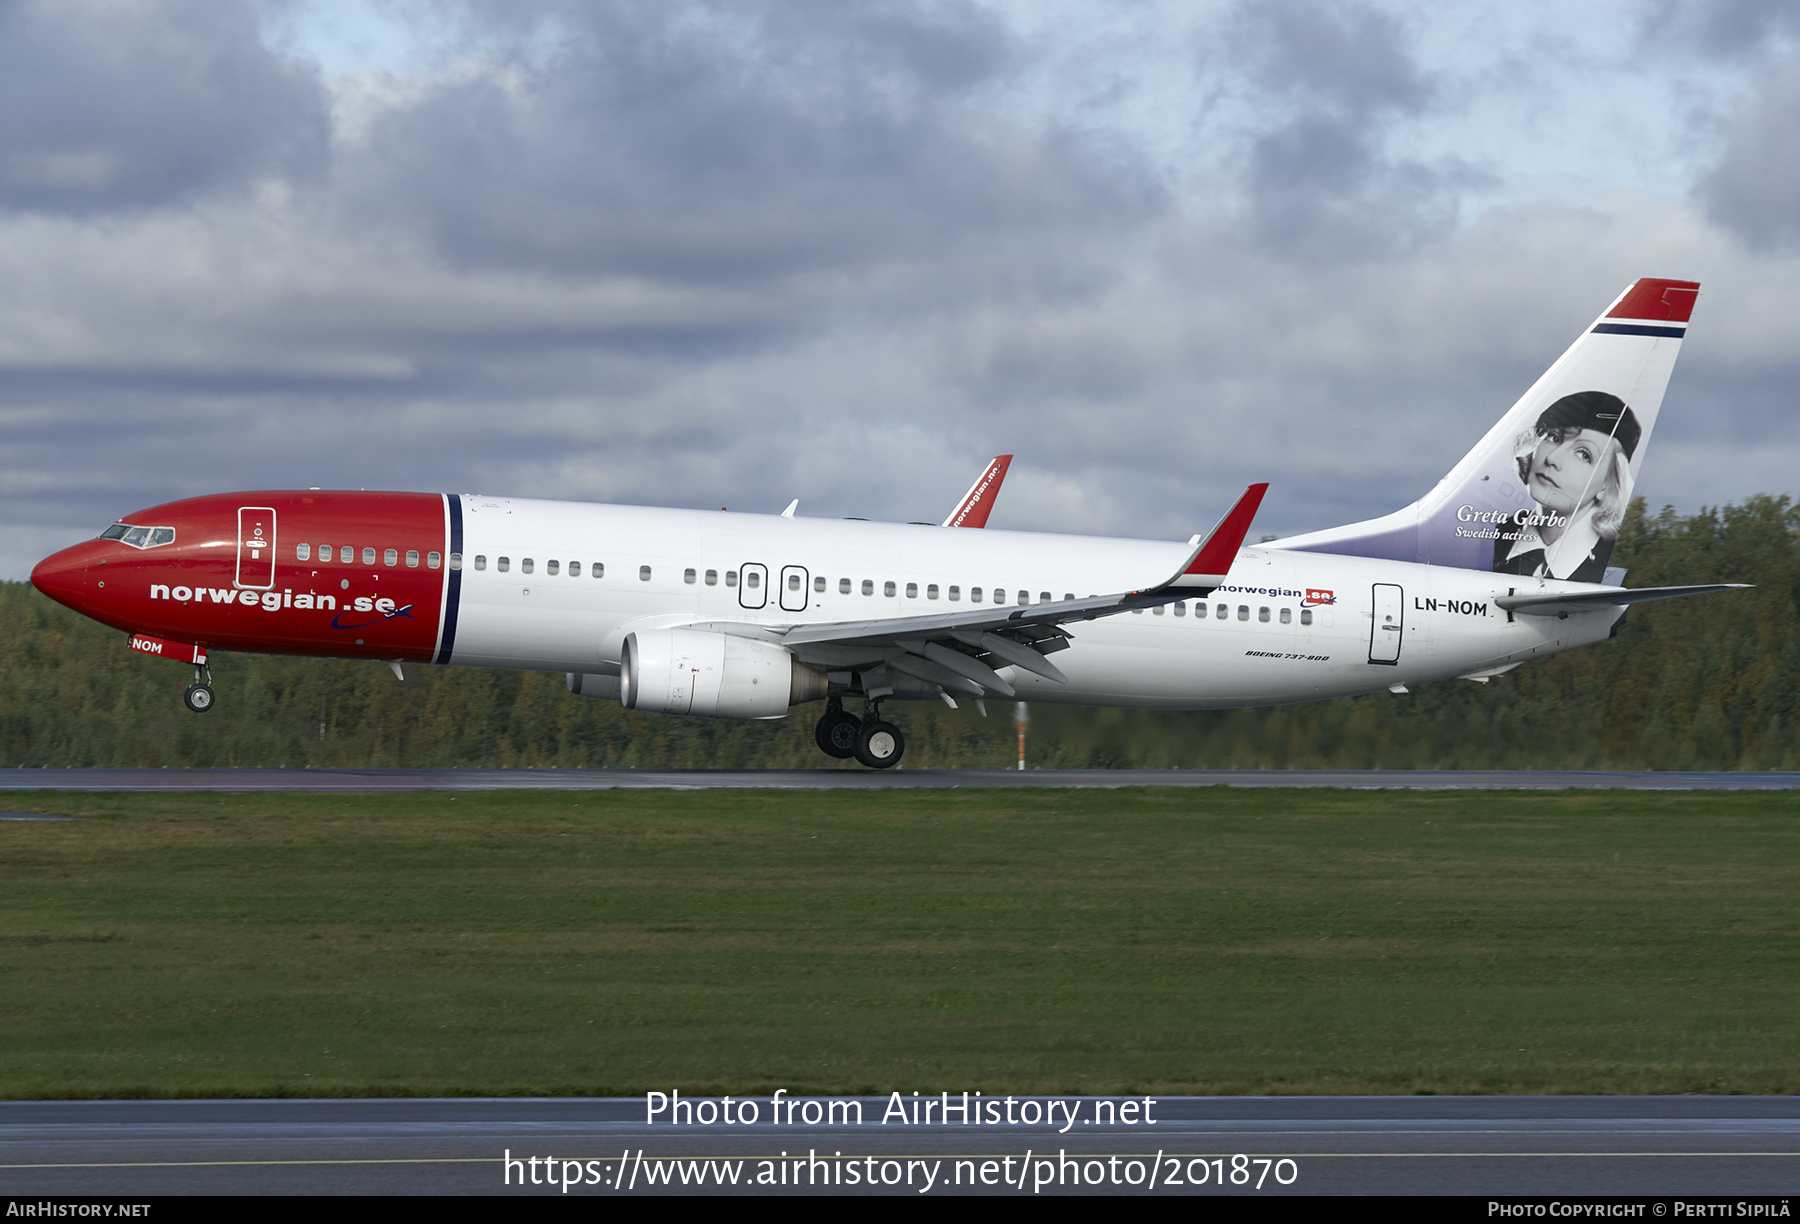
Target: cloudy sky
{"x":708,"y":254}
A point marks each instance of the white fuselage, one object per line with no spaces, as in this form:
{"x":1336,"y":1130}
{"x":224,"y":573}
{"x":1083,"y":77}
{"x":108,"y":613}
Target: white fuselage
{"x":1286,"y":626}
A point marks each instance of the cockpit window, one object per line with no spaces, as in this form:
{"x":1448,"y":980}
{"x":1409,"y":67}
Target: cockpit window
{"x":139,"y":537}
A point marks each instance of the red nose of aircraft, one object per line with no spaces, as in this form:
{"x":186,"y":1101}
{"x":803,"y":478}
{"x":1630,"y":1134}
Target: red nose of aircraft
{"x":71,"y":577}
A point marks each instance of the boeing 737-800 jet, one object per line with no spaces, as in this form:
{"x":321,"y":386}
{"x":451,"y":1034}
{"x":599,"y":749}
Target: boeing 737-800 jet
{"x":722,"y":615}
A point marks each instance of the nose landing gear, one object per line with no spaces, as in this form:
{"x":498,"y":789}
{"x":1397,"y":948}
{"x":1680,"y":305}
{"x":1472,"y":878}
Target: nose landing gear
{"x":199,"y":695}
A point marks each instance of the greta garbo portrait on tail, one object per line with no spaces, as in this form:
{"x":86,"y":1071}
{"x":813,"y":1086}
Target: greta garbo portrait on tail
{"x":1576,"y":465}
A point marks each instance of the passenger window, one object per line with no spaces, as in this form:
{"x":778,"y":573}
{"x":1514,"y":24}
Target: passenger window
{"x":1243,"y":612}
{"x":955,"y":593}
{"x":525,"y":566}
{"x":1180,"y":609}
{"x":793,"y":582}
{"x":390,"y":556}
{"x":1262,"y":614}
{"x":1287,"y":616}
{"x":843,"y":586}
{"x":931,"y":590}
{"x":303,"y":552}
{"x":689,"y":576}
{"x":324,"y":552}
{"x":551,"y":568}
{"x":1043,"y":596}
{"x":1161,"y":609}
{"x":480,"y":561}
{"x":1222,"y":612}
{"x":753,"y":579}
{"x":643,"y":573}
{"x":912,"y":590}
{"x":1306,"y":616}
{"x":730,"y":578}
{"x":974,"y":594}
{"x":574,"y":569}
{"x":502,"y":564}
{"x":712,"y":577}
{"x":887,"y":588}
{"x":435,"y":560}
{"x":1024,"y":598}
{"x":412,"y":558}
{"x":819,"y":583}
{"x":598,"y":570}
{"x":868,"y":586}
{"x":368,"y":556}
{"x":1068,"y":594}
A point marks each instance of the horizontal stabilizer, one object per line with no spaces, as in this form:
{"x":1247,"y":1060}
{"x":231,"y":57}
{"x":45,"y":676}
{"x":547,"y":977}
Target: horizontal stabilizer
{"x":1562,"y":603}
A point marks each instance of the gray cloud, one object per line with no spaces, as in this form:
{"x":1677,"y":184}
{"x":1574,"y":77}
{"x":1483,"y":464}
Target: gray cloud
{"x":1726,"y":29}
{"x":763,"y":142}
{"x":1754,"y":187}
{"x":1350,"y":59}
{"x":107,"y":106}
{"x":1319,"y":183}
{"x":733,"y":254}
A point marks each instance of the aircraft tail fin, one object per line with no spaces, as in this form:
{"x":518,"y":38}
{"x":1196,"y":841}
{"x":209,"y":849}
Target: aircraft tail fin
{"x":978,"y":502}
{"x":1544,"y":492}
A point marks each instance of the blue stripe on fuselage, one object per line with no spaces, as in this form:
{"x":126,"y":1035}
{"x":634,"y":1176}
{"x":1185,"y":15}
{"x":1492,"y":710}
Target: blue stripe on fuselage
{"x":453,"y":592}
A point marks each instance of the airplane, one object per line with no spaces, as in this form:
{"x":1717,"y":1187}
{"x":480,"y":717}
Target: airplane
{"x":744,"y":616}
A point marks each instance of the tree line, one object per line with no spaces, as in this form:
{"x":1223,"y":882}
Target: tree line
{"x":1711,"y":682}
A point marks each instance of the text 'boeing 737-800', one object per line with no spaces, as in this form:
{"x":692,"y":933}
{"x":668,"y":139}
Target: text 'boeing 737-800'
{"x":717,"y":615}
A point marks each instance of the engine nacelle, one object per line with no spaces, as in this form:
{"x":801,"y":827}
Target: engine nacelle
{"x":594,"y":684}
{"x":713,"y":675}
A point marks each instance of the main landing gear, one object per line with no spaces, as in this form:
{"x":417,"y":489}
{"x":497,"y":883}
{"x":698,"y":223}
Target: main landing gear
{"x":874,"y":743}
{"x":199,"y":695}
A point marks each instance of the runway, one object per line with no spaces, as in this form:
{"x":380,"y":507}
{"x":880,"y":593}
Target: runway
{"x":237,"y":781}
{"x":1640,"y":1146}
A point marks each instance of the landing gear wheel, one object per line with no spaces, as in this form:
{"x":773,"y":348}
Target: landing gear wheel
{"x":879,"y":745}
{"x":836,"y":734}
{"x":198,"y":698}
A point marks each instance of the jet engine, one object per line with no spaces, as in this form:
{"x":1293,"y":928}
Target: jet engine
{"x":713,"y":675}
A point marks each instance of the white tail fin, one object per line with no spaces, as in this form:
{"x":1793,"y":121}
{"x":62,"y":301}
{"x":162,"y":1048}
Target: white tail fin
{"x":1544,"y":492}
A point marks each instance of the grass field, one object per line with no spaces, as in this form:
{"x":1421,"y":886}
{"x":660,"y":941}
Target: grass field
{"x":1212,"y":941}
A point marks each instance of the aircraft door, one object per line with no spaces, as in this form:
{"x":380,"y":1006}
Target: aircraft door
{"x":753,"y":584}
{"x":1387,"y":625}
{"x":256,"y":548}
{"x":793,"y":588}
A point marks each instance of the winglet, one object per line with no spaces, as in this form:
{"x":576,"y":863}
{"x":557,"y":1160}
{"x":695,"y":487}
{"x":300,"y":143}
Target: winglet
{"x":978,"y":502}
{"x":1211,"y":559}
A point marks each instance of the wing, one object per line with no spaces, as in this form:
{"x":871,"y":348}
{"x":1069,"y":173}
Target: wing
{"x":963,"y":651}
